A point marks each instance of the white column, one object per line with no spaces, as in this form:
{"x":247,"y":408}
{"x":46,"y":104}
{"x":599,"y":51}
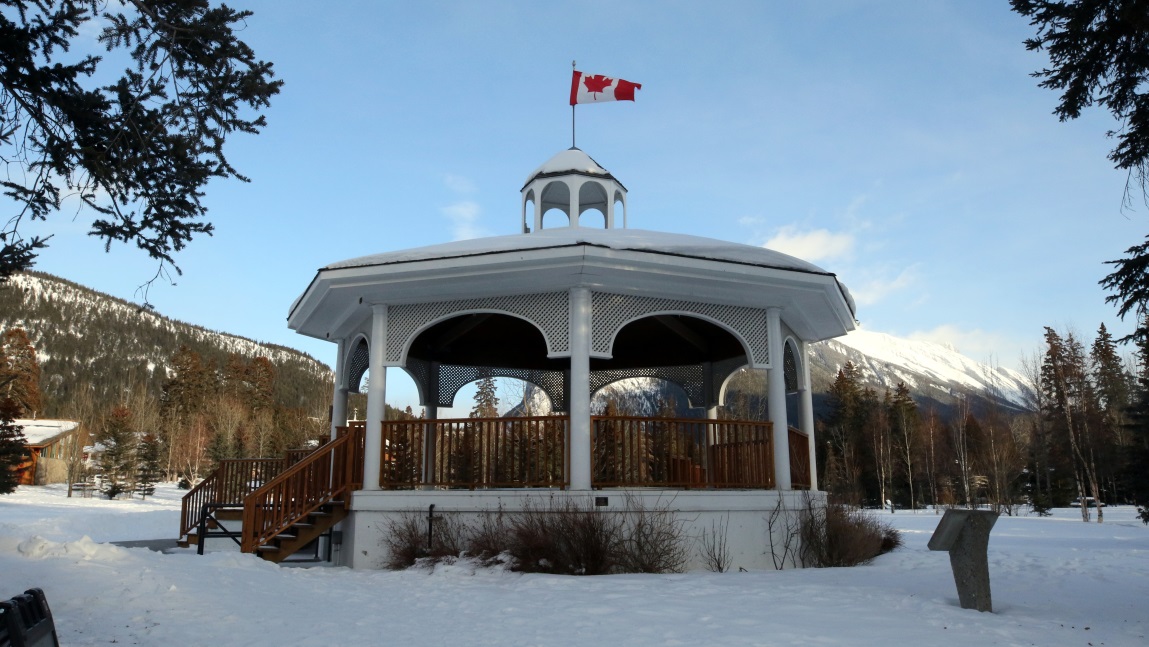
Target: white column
{"x":711,"y":439}
{"x":579,"y":404}
{"x":807,"y":413}
{"x":776,"y":389}
{"x":538,"y":212}
{"x":339,"y":396}
{"x":376,"y":397}
{"x":573,"y":190}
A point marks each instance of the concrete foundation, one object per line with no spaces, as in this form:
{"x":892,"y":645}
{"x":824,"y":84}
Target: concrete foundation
{"x":740,"y":516}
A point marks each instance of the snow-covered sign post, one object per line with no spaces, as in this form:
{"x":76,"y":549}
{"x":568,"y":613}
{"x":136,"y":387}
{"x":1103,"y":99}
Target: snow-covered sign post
{"x":965,"y":535}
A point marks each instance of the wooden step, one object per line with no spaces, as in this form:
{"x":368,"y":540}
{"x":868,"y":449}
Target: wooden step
{"x":229,"y":514}
{"x":300,"y":535}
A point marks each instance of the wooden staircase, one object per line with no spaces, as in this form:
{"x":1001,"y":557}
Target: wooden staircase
{"x":275,"y":507}
{"x":303,"y":532}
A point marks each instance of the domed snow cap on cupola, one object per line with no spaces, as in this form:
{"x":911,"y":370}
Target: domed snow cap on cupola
{"x":573,"y":183}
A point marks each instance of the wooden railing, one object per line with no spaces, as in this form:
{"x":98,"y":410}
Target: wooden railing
{"x":476,"y":453}
{"x":233,"y":480}
{"x":799,"y":460}
{"x":627,"y":451}
{"x":741,"y":455}
{"x":322,"y":476}
{"x":683,"y":452}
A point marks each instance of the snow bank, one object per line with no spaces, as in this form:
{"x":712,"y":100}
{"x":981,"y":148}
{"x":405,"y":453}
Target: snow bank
{"x":1055,"y":581}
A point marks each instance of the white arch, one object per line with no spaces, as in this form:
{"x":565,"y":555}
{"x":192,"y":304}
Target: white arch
{"x":799,"y":360}
{"x":722,"y":390}
{"x":529,"y":198}
{"x":348,"y":354}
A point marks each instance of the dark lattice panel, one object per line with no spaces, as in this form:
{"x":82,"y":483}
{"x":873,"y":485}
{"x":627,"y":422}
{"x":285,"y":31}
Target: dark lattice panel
{"x":690,"y":378}
{"x":548,"y":311}
{"x":453,"y":378}
{"x":790,"y":369}
{"x":613,"y":311}
{"x":357,"y":365}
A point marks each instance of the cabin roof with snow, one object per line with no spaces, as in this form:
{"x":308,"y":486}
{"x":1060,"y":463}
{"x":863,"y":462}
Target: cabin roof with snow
{"x":44,"y":432}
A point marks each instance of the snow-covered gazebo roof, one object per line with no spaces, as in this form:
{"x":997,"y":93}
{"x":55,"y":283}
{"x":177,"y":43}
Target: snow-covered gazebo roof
{"x":629,"y":261}
{"x":572,"y":160}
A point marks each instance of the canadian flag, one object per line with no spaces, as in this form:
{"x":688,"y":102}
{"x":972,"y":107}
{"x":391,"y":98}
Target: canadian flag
{"x":592,"y":88}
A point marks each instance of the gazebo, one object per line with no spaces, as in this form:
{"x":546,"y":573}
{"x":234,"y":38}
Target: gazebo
{"x":569,"y":309}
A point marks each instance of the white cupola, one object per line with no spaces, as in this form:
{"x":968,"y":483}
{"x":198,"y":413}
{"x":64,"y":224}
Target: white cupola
{"x":573,"y":183}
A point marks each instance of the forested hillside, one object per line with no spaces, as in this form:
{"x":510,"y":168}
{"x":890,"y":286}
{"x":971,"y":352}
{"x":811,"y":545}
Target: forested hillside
{"x":88,"y":340}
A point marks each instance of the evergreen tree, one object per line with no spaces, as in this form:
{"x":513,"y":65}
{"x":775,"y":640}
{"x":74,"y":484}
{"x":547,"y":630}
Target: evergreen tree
{"x":118,"y":458}
{"x":20,"y":372}
{"x":844,"y":438}
{"x":1113,"y":385}
{"x":148,"y":468}
{"x":184,"y":406}
{"x":1136,"y":472}
{"x":1099,"y":55}
{"x":139,"y":148}
{"x":12,"y":446}
{"x":486,"y":400}
{"x":1072,"y":411}
{"x":904,"y":418}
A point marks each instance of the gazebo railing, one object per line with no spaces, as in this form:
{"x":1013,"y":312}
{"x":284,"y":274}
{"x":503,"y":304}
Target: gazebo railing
{"x":681,"y":452}
{"x":627,"y":451}
{"x":476,"y":453}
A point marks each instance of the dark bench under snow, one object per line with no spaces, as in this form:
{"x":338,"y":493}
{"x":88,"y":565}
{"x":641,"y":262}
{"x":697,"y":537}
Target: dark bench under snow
{"x":26,"y":621}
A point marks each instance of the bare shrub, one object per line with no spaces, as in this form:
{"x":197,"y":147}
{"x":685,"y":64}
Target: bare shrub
{"x":449,"y":538}
{"x":713,"y":548}
{"x":558,"y":536}
{"x":405,"y":538}
{"x":563,"y":537}
{"x":489,"y":538}
{"x":841,"y":536}
{"x":783,"y":534}
{"x":651,"y":539}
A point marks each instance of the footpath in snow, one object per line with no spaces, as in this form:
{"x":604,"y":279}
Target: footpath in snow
{"x":1056,"y":581}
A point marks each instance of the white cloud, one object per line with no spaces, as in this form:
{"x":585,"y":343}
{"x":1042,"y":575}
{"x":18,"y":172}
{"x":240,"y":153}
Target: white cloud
{"x":464,"y":217}
{"x":816,"y":245}
{"x":873,"y":290}
{"x":459,"y":184}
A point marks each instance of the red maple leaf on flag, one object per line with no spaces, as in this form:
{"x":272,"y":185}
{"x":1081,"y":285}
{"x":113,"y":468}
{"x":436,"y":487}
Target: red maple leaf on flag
{"x":597,"y":83}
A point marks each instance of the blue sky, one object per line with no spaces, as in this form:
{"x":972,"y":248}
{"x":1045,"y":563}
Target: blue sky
{"x":901,"y":145}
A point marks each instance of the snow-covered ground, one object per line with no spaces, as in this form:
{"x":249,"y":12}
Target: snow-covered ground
{"x":1056,"y":581}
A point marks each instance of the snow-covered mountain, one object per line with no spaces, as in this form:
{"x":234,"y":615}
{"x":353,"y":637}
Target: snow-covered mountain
{"x":85,"y":306}
{"x":931,"y":370}
{"x":85,"y":337}
{"x":934,"y":373}
{"x":77,"y":330}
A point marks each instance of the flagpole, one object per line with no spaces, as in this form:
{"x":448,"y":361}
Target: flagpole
{"x":572,"y":113}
